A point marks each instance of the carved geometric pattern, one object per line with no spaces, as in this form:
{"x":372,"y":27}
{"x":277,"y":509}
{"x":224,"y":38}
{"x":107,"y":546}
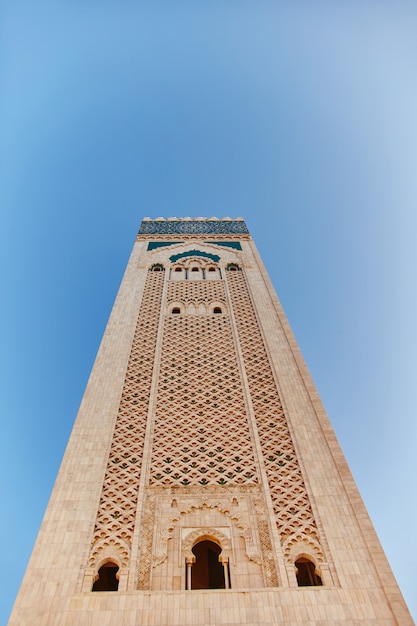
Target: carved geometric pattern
{"x":268,"y":560}
{"x":117,"y":508}
{"x":294,"y":516}
{"x":201,"y":432}
{"x":196,"y":291}
{"x":207,"y":498}
{"x":146,"y":540}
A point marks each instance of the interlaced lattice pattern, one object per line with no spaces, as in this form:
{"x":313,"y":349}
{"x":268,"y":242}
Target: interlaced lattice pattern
{"x":292,"y":508}
{"x":196,"y":291}
{"x":201,"y":431}
{"x":117,"y":508}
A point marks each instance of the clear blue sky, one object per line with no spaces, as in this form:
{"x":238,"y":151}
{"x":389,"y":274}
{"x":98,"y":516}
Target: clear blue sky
{"x":300,"y":117}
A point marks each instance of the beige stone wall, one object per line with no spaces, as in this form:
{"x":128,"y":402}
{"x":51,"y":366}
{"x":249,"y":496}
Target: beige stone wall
{"x":259,"y":539}
{"x":292,"y":607}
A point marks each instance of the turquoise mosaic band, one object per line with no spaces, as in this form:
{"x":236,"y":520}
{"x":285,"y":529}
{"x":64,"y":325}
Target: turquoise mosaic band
{"x":153,"y":245}
{"x":193,"y":227}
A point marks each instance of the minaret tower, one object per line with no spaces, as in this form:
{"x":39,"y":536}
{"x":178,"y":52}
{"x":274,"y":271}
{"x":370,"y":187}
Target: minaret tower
{"x":203,"y":482}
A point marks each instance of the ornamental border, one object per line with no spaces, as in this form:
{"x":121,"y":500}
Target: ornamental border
{"x":193,"y":228}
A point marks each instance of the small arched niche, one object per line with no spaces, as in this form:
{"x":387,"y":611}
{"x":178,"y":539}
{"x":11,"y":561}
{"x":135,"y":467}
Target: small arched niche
{"x":212,"y":272}
{"x":107,"y":577}
{"x":177,"y":273}
{"x":195,"y":271}
{"x":306,"y":572}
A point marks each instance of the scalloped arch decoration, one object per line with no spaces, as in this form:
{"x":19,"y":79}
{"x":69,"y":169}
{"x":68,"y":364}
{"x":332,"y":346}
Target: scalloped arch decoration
{"x":214,"y":257}
{"x":211,"y":534}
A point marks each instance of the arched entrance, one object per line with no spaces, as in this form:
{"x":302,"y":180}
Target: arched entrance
{"x":207,"y":572}
{"x":207,"y":555}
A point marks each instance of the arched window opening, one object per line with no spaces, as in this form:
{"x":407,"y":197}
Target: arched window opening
{"x":195,"y":269}
{"x":176,"y":310}
{"x":233,"y":268}
{"x":211,"y":269}
{"x":306,"y":573}
{"x":207,"y":571}
{"x":217,"y":310}
{"x":107,"y":578}
{"x":178,"y":269}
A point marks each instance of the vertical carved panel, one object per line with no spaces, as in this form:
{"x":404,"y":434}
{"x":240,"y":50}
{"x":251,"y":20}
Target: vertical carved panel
{"x":201,"y":429}
{"x":294,"y":516}
{"x":117,"y":508}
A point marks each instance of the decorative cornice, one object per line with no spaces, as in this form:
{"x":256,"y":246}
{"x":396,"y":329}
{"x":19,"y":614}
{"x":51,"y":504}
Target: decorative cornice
{"x":193,"y":226}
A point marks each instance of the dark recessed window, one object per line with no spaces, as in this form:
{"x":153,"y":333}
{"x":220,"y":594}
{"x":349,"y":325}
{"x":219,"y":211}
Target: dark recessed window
{"x":194,"y":269}
{"x":176,"y":311}
{"x":306,"y":573}
{"x":107,"y":578}
{"x":178,"y":269}
{"x":217,"y":309}
{"x":207,"y":572}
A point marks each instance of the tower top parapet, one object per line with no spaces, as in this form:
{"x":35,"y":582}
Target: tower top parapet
{"x":193,"y":226}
